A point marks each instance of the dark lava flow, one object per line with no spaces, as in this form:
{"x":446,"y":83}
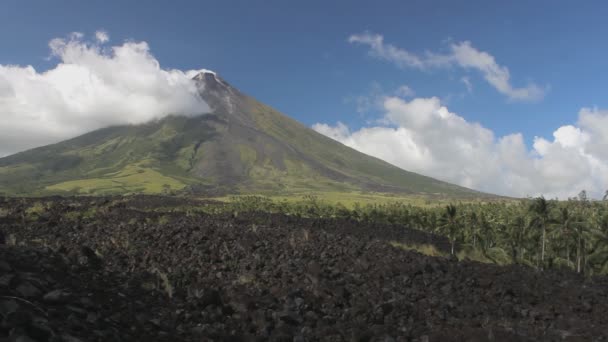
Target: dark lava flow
{"x":124,"y":273}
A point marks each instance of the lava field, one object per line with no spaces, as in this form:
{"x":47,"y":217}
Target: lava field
{"x":108,"y":269}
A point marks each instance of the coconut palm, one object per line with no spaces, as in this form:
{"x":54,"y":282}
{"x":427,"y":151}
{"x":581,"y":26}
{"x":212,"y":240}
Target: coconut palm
{"x":563,"y":227}
{"x":516,"y":227}
{"x":599,"y":251}
{"x":450,"y":225}
{"x":541,"y":207}
{"x":472,"y":224}
{"x":582,"y":232}
{"x":487,"y":231}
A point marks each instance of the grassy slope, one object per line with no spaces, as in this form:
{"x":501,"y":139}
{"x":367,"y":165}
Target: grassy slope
{"x":122,"y":159}
{"x":134,"y":178}
{"x":346,"y":160}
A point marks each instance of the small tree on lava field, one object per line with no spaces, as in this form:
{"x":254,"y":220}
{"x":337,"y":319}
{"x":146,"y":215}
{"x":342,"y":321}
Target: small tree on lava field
{"x":450,"y":225}
{"x":540,"y":207}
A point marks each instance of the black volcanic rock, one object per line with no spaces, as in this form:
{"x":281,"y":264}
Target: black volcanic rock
{"x":214,"y":278}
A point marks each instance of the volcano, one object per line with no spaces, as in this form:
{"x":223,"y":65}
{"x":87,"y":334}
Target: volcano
{"x":241,"y":146}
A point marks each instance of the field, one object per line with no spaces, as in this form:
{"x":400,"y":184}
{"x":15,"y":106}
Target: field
{"x":351,"y":198}
{"x":173,"y":269}
{"x":131,"y":179}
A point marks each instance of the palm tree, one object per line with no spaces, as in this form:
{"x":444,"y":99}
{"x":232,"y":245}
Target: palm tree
{"x":487,"y":232}
{"x":473,"y":226}
{"x":540,"y":207}
{"x":599,"y":253}
{"x":450,"y":224}
{"x":567,"y":226}
{"x":515,"y":228}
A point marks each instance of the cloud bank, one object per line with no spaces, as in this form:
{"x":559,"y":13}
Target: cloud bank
{"x":461,"y":54}
{"x":423,"y":136}
{"x":92,"y":86}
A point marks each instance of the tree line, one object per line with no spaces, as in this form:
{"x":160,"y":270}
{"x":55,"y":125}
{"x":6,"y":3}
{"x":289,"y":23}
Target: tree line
{"x":542,"y":233}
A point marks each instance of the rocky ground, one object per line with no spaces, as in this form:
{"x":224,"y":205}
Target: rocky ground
{"x":97,"y":269}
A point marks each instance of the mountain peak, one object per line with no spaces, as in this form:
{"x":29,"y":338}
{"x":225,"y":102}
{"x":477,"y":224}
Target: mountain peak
{"x":205,"y":74}
{"x":210,"y":80}
{"x":218,"y":93}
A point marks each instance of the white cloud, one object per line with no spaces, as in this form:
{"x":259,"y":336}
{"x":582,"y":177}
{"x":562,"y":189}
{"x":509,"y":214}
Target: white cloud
{"x":423,"y":136}
{"x":372,"y":101}
{"x":461,"y":54}
{"x":466,"y":56}
{"x":404,"y":91}
{"x":340,"y":132}
{"x":90,"y":87}
{"x":391,"y":53}
{"x":102,"y":36}
{"x":467,"y":83}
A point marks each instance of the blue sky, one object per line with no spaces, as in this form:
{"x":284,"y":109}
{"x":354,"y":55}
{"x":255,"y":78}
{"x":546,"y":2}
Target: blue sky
{"x":296,"y":56}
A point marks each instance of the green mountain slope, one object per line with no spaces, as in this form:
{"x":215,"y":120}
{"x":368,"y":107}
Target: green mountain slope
{"x":243,"y":146}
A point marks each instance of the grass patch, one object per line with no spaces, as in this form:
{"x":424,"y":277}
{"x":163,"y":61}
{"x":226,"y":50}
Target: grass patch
{"x":473,"y":255}
{"x":72,"y":216}
{"x":163,"y":220}
{"x":492,"y":256}
{"x":163,"y":281}
{"x":245,"y":279}
{"x":15,"y":169}
{"x":247,"y":154}
{"x":77,"y":215}
{"x":426,"y":249}
{"x":35,"y":210}
{"x":134,"y":178}
{"x":89,"y":213}
{"x":350,"y":199}
{"x":347,"y":199}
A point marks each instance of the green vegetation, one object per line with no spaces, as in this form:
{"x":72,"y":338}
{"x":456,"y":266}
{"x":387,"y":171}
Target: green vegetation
{"x":330,"y":157}
{"x":163,"y":220}
{"x":350,"y":199}
{"x":132,"y":179}
{"x":546,"y":234}
{"x":425,"y":249}
{"x":34,"y":211}
{"x":497,"y":255}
